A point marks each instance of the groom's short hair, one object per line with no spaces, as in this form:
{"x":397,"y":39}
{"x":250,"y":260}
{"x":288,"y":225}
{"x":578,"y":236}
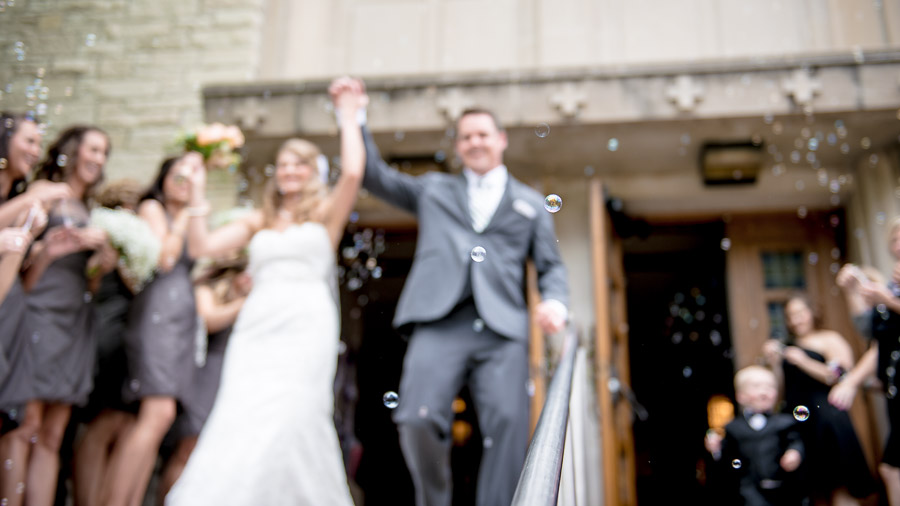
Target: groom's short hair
{"x":479,"y":110}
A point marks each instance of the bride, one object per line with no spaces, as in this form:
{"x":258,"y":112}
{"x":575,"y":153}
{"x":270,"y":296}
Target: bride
{"x":270,"y":438}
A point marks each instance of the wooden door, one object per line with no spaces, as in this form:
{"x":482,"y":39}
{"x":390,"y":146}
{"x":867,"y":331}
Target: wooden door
{"x":611,"y":354}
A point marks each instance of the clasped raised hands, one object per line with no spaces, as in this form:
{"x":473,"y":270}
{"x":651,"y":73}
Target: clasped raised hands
{"x":348,"y":95}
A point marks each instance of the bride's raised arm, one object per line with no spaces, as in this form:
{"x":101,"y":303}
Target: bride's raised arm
{"x":205,"y":243}
{"x":349,"y":99}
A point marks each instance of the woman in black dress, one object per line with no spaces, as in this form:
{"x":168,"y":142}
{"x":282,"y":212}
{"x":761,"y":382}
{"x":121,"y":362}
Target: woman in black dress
{"x":835,"y":465}
{"x":67,"y":258}
{"x":160,"y":335}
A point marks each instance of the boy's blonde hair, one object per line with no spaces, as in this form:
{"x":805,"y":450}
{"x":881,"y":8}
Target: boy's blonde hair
{"x":742,"y":376}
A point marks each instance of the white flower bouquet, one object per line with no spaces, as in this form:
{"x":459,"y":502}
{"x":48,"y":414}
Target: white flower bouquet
{"x":137,"y":246}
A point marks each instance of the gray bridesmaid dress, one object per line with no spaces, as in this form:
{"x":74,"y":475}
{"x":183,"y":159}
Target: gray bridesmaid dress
{"x":59,"y":322}
{"x":201,"y":392}
{"x":16,"y":361}
{"x":159,"y":340}
{"x":16,"y":365}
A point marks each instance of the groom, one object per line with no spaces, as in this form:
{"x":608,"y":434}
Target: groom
{"x":464,"y":305}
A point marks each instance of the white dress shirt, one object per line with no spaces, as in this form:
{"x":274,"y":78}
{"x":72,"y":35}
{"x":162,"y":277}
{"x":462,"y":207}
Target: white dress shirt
{"x":485,"y":192}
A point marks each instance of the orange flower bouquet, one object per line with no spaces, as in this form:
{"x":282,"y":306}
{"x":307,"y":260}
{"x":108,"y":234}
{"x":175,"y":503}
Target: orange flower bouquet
{"x":217,"y":143}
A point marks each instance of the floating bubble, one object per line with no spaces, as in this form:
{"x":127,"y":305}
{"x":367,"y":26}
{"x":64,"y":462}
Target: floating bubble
{"x":542,"y":130}
{"x":873,"y":159}
{"x":478,"y":325}
{"x":478,"y":253}
{"x":2,"y":163}
{"x":832,"y":139}
{"x":687,"y":372}
{"x":488,"y":442}
{"x":553,"y":203}
{"x":777,"y":128}
{"x":801,"y":212}
{"x":812,"y":144}
{"x":865,"y":143}
{"x":440,"y":156}
{"x":845,"y":148}
{"x":880,"y":218}
{"x":613,"y":144}
{"x":736,"y":463}
{"x":155,"y":317}
{"x":423,"y":411}
{"x":62,"y":160}
{"x":377,"y":273}
{"x":20,"y":487}
{"x":134,"y":385}
{"x":795,"y":156}
{"x":813,"y":258}
{"x":390,"y":399}
{"x":8,"y":464}
{"x":801,"y":413}
{"x":725,"y":244}
{"x":90,"y":39}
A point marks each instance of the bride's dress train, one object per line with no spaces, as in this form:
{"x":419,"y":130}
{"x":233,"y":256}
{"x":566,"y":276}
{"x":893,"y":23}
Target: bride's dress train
{"x":270,"y":439}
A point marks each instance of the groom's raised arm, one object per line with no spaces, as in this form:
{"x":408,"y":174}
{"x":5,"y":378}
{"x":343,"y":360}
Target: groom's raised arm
{"x":387,"y":183}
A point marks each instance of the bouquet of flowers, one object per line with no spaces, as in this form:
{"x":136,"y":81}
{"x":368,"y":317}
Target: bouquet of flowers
{"x":137,"y":246}
{"x":217,"y":143}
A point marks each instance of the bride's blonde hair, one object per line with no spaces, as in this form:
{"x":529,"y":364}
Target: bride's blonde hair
{"x":312,"y":193}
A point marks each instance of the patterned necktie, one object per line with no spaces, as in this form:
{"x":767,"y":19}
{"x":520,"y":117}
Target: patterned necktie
{"x":478,"y":202}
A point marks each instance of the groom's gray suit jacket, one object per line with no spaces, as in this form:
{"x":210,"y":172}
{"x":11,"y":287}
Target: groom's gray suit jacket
{"x":519,"y":229}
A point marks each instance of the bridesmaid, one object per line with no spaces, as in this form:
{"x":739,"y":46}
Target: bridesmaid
{"x":836,"y":467}
{"x":20,"y":151}
{"x":160,"y":335}
{"x":69,"y":256}
{"x":220,"y":292}
{"x":106,"y":417}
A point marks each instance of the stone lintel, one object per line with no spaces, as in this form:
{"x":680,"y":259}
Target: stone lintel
{"x":605,"y":96}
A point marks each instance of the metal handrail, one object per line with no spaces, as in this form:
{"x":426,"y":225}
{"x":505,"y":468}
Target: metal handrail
{"x":540,"y":478}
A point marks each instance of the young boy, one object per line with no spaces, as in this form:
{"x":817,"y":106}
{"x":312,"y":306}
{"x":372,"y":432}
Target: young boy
{"x":761,"y":450}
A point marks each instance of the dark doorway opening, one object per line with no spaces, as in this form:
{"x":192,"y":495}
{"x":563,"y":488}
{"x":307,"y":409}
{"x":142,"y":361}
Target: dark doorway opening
{"x":681,"y":354}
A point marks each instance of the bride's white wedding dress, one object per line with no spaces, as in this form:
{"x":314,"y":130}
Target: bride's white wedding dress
{"x":270,"y":439}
